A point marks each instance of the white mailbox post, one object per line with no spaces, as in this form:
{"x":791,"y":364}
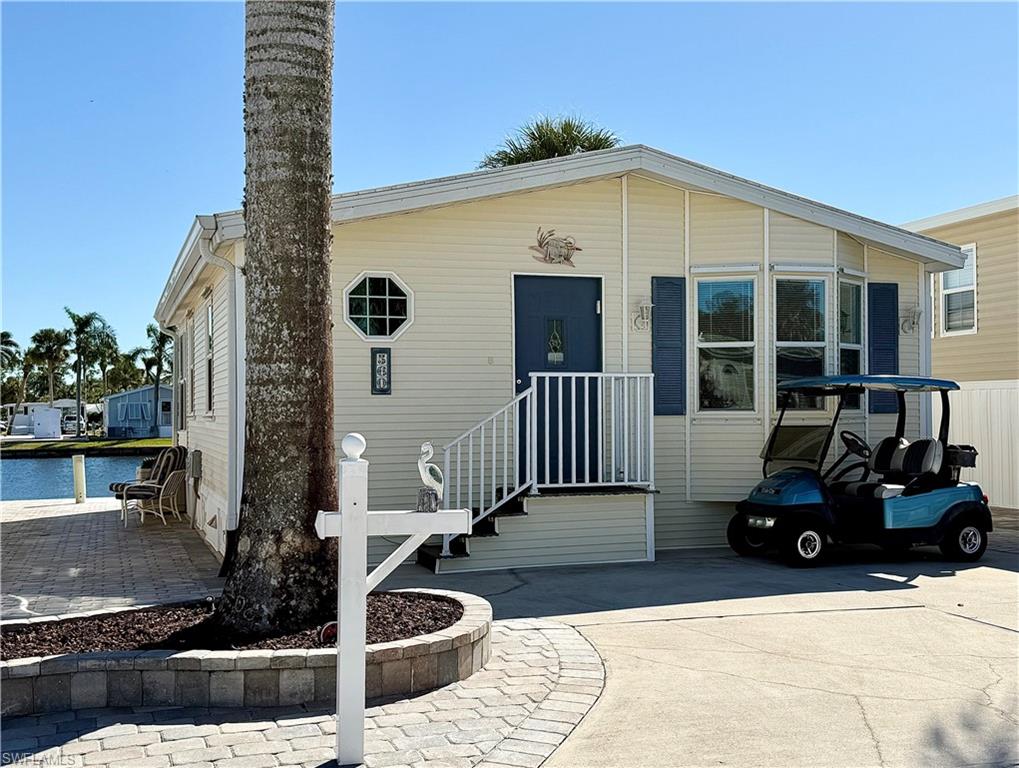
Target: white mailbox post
{"x":353,"y":524}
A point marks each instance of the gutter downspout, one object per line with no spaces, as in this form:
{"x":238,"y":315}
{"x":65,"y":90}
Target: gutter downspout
{"x":235,"y":453}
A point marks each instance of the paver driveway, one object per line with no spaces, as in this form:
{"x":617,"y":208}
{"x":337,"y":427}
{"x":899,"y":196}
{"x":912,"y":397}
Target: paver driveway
{"x":712,"y":660}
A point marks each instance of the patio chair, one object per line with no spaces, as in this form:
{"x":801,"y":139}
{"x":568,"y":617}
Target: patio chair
{"x":166,"y":500}
{"x":170,"y":460}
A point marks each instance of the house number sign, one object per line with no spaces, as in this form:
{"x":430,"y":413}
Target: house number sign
{"x":382,"y":371}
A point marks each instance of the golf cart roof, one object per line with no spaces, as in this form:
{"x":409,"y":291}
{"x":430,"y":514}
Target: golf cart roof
{"x":833,"y":385}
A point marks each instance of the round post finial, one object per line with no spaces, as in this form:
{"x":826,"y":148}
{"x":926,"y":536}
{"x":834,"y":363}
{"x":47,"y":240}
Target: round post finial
{"x":353,"y":445}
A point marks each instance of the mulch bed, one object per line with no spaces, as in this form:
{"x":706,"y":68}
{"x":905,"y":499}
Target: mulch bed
{"x":391,"y":616}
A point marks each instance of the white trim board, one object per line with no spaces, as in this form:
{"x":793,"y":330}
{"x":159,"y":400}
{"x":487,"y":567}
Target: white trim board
{"x":588,"y":166}
{"x":964,"y":214}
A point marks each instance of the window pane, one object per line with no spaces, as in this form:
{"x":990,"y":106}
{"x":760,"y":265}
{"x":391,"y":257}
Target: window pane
{"x":798,"y":363}
{"x":725,"y":311}
{"x":377,"y":327}
{"x":726,"y":379}
{"x":377,"y":286}
{"x":361,"y":289}
{"x":850,"y":313}
{"x":357,"y":306}
{"x":377,"y":307}
{"x":849,"y":364}
{"x":959,"y":311}
{"x":397,"y":307}
{"x":395,"y":290}
{"x":799,"y":310}
{"x":960,"y":278}
{"x":395,"y":323}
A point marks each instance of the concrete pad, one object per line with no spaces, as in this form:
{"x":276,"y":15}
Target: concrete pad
{"x":889,"y":687}
{"x":713,"y":660}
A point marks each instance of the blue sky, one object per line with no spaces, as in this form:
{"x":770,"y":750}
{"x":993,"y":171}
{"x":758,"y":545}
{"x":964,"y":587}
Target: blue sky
{"x":121,"y":121}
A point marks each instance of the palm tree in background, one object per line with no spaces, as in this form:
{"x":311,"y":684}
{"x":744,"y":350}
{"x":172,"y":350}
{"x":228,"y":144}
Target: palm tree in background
{"x":89,"y":332}
{"x":50,"y":351}
{"x":10,"y":352}
{"x":107,"y":355}
{"x":124,"y":373}
{"x":158,"y":357}
{"x":547,"y":137}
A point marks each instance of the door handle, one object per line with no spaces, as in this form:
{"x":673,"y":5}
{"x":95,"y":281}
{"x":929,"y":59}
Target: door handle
{"x":518,"y":381}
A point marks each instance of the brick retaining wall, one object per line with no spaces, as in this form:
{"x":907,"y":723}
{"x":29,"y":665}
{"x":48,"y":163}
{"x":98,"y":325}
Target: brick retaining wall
{"x":259,"y":678}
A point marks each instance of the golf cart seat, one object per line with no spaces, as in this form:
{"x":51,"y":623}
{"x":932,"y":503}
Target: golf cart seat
{"x":897,"y":462}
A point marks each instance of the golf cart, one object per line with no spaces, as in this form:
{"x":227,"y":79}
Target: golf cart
{"x":905,"y":494}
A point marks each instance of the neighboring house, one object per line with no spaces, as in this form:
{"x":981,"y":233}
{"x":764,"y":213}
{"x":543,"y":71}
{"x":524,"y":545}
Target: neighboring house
{"x":461,"y":319}
{"x":129,"y":414}
{"x":975,"y":337}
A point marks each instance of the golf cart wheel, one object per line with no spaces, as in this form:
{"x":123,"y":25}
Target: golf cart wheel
{"x":743,"y":540}
{"x":804,"y":544}
{"x":964,"y":541}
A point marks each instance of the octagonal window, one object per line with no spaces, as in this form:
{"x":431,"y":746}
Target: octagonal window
{"x":378,"y":305}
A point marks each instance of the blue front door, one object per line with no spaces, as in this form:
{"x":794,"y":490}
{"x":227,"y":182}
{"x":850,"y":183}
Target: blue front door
{"x":558,"y":330}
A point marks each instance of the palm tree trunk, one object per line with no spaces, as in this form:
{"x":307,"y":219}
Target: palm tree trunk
{"x":51,"y":372}
{"x":77,"y":396}
{"x":154,"y":431}
{"x":283,"y":575}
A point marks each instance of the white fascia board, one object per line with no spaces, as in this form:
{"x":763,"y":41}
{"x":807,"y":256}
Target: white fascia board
{"x":589,"y":166}
{"x":898,"y":241}
{"x":449,"y":190}
{"x":183,"y":267}
{"x":964,"y":214}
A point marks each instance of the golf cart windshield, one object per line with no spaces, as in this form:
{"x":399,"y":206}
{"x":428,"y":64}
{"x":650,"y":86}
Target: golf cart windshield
{"x":798,"y":443}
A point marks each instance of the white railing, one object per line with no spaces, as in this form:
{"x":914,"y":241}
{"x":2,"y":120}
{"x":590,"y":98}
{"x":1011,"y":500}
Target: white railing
{"x":593,"y":429}
{"x":487,"y":464}
{"x":565,"y":430}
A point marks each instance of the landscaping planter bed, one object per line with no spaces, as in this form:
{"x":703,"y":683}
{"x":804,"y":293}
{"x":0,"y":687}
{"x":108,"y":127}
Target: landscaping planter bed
{"x":301,"y":673}
{"x":390,"y":615}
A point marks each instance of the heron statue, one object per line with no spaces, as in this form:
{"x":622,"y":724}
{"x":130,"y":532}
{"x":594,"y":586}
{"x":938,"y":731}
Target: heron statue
{"x":431,"y":475}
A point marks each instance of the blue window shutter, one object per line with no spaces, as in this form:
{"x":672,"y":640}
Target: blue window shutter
{"x":883,"y":340}
{"x":668,"y":344}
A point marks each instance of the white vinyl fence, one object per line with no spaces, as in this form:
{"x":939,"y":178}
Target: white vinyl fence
{"x":985,"y":414}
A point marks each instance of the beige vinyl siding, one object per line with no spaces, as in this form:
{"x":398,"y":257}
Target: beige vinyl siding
{"x":454,"y":364}
{"x":992,"y":353}
{"x":655,"y":224}
{"x":794,"y":241}
{"x":724,"y":231}
{"x":206,"y":431}
{"x":562,"y":531}
{"x":724,"y":444}
{"x":850,"y":253}
{"x":885,"y":268}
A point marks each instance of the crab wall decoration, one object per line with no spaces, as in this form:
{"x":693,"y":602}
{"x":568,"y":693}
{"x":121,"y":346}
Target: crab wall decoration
{"x":555,"y":250}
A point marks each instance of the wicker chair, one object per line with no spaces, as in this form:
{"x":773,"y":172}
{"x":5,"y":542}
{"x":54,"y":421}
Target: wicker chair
{"x":155,"y":494}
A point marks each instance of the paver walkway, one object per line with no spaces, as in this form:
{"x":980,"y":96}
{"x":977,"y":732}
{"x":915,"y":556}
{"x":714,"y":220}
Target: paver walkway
{"x":541,"y":680}
{"x":60,"y":557}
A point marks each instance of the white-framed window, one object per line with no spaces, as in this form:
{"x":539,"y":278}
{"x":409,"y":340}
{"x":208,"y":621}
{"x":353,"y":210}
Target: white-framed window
{"x":959,"y":296}
{"x":801,"y":336}
{"x":209,"y":358}
{"x":851,"y":333}
{"x":726,"y":344}
{"x":181,"y":349}
{"x":379,"y":306}
{"x":191,"y":365}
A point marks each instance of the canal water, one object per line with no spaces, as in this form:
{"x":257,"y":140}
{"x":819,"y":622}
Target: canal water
{"x":54,"y":478}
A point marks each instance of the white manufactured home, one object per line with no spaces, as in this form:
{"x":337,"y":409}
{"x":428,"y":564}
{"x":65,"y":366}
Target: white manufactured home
{"x":592,"y":344}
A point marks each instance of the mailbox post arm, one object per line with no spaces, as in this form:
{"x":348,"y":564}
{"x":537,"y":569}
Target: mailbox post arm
{"x":351,"y":606}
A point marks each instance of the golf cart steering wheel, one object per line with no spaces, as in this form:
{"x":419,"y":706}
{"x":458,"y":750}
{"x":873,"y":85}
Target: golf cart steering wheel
{"x":855,"y":444}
